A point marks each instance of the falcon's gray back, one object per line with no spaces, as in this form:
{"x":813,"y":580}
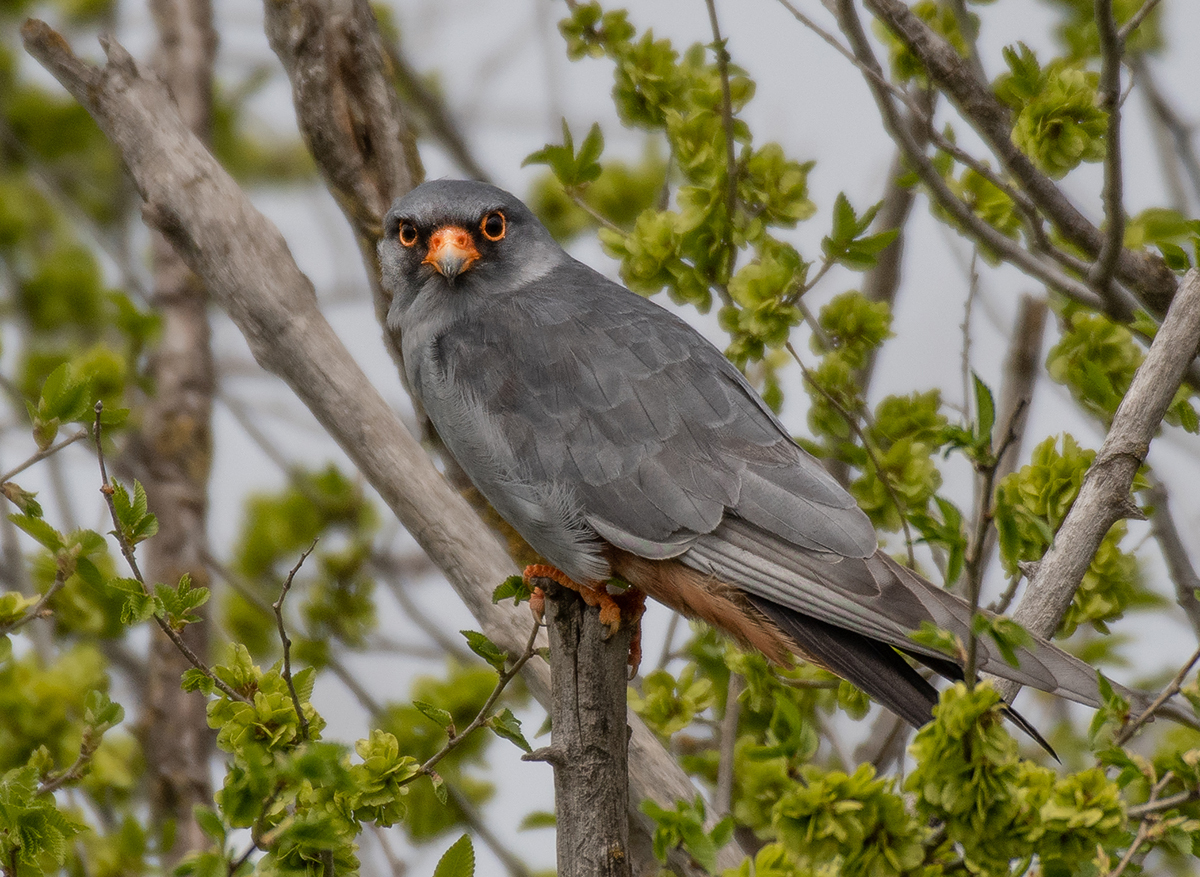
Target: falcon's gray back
{"x":585,"y":412}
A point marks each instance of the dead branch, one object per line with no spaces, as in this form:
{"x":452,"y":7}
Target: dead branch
{"x":250,"y":273}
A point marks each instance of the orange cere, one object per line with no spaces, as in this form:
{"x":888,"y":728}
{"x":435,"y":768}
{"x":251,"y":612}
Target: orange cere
{"x":451,"y":250}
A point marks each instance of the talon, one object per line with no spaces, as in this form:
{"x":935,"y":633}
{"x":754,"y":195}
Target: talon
{"x":537,"y":604}
{"x":629,"y":605}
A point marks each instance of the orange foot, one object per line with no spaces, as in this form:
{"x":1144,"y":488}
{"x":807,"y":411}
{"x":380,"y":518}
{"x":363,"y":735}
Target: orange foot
{"x":632,"y":601}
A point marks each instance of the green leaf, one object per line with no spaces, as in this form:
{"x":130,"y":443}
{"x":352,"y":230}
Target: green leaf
{"x":515,"y":587}
{"x":572,"y":169}
{"x":985,"y":409}
{"x":439,"y":786}
{"x":42,"y":532}
{"x":197,"y":680}
{"x":458,"y":861}
{"x":486,"y":649}
{"x":538,"y":819}
{"x":508,"y":726}
{"x":179,"y":602}
{"x":437,"y":715}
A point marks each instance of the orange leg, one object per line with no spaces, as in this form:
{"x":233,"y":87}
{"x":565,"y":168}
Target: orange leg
{"x":633,"y":602}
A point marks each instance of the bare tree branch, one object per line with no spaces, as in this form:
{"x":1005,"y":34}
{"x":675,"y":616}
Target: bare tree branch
{"x":349,"y":115}
{"x":1146,"y":273}
{"x":1179,"y":564}
{"x":171,"y":454}
{"x":1104,"y":496}
{"x":249,"y":272}
{"x":438,"y":121}
{"x":981,"y":231}
{"x":1111,"y":46}
{"x":588,"y":737}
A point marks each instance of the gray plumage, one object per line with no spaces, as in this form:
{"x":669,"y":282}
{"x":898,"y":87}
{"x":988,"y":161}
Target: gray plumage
{"x":589,"y":416}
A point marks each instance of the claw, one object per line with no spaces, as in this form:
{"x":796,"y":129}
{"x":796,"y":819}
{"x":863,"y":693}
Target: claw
{"x":629,"y":605}
{"x":537,"y":604}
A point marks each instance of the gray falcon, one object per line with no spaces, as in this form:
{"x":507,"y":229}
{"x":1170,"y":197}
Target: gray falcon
{"x":619,"y":442}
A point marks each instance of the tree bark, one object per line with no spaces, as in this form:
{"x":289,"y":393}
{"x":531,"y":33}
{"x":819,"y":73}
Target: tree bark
{"x":1104,"y":496}
{"x":250,"y":273}
{"x":588,"y":738}
{"x":171,"y":455}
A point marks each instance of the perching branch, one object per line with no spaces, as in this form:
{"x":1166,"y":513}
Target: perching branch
{"x":588,"y":737}
{"x":249,"y":272}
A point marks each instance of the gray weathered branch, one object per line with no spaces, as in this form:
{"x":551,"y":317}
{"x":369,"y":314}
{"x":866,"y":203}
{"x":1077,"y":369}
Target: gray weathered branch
{"x":1145,"y":272}
{"x":250,"y":273}
{"x":171,"y":453}
{"x":587,"y":731}
{"x":1104,"y":496}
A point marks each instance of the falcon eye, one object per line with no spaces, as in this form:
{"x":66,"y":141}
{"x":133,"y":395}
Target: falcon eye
{"x":408,"y":234}
{"x":493,"y":226}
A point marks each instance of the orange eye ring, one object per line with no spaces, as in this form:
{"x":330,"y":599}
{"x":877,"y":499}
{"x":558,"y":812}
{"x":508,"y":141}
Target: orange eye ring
{"x":494,"y":226}
{"x":407,"y":234}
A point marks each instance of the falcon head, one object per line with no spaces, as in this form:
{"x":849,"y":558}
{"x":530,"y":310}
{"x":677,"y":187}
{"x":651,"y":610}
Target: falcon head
{"x":461,"y":238}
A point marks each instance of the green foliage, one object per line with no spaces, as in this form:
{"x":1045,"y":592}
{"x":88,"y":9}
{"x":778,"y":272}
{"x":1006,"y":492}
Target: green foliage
{"x":1059,"y":122}
{"x":848,"y":243}
{"x":1077,"y":29}
{"x":1030,"y":506}
{"x":458,"y":861}
{"x":34,"y":833}
{"x":1096,"y":359}
{"x":337,"y":602}
{"x":854,"y":820}
{"x":571,"y":168}
{"x":906,"y":433}
{"x":667,"y":704}
{"x":684,"y":827}
{"x":693,"y":250}
{"x":998,"y":807}
{"x":619,"y":195}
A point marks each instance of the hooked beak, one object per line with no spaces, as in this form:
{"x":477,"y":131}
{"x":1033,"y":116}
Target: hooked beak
{"x":451,"y":251}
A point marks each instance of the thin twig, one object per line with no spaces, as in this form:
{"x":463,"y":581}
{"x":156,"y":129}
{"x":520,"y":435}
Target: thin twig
{"x":1111,"y":46}
{"x":968,"y":310}
{"x":1175,"y":554}
{"x":106,"y":489}
{"x":37,"y":609}
{"x":1167,"y":693}
{"x":667,"y":653}
{"x":43,"y":454}
{"x":481,"y":718}
{"x":852,"y":422}
{"x":1159,"y":804}
{"x":976,"y":555}
{"x":1164,"y":112}
{"x":967,"y":31}
{"x":578,"y":200}
{"x":277,"y":606}
{"x":731,"y":169}
{"x":1136,"y":19}
{"x":1143,"y":829}
{"x":723,"y":794}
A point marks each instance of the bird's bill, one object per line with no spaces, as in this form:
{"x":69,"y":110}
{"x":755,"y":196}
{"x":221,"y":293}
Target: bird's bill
{"x":451,"y":251}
